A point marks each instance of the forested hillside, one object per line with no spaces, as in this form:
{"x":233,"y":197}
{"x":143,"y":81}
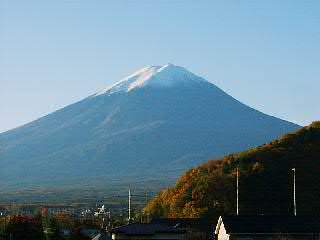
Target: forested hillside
{"x":266,"y":181}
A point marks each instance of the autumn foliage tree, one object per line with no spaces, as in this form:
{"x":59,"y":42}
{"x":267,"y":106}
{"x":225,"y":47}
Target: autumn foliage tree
{"x":265,"y":182}
{"x":24,"y":228}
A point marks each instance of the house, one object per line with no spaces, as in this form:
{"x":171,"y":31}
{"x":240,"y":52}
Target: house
{"x":65,"y":232}
{"x":146,"y":231}
{"x":3,"y":211}
{"x":268,"y":227}
{"x":196,"y":228}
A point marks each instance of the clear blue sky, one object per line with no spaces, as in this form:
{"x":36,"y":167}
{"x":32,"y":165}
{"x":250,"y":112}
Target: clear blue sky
{"x":264,"y":53}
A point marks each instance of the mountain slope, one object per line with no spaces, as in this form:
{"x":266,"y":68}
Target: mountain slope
{"x":154,"y":124}
{"x":265,"y":181}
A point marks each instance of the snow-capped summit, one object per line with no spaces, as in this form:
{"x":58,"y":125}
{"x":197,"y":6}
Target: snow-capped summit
{"x":158,"y":76}
{"x":134,"y":134}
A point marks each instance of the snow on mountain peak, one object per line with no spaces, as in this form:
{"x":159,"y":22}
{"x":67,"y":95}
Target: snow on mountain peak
{"x":161,"y":76}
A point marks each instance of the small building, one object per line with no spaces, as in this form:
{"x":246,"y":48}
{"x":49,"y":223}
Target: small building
{"x":65,"y":232}
{"x":268,"y":227}
{"x":3,"y":211}
{"x":146,"y":231}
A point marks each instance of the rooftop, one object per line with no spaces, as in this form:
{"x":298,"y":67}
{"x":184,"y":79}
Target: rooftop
{"x":145,"y":229}
{"x":269,"y":224}
{"x":184,"y":222}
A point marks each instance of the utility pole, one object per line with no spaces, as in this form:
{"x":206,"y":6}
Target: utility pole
{"x":129,"y":206}
{"x":294,"y":192}
{"x":147,"y":215}
{"x":237,"y":191}
{"x":108,"y":227}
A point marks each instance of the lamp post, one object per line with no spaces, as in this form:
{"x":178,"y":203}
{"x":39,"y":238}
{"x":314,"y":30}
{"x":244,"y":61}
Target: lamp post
{"x":237,"y":191}
{"x":129,"y":210}
{"x":294,"y":192}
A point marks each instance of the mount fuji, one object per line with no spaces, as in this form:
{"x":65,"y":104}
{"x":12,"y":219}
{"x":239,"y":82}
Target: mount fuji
{"x":151,"y":126}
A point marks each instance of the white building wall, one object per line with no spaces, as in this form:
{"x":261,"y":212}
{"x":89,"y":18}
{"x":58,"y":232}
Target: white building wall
{"x":222,"y":234}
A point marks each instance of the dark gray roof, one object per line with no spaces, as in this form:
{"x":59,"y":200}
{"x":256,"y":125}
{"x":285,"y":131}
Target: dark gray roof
{"x":102,"y":236}
{"x":98,"y":237}
{"x":146,"y":229}
{"x":271,"y":224}
{"x":197,"y":223}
